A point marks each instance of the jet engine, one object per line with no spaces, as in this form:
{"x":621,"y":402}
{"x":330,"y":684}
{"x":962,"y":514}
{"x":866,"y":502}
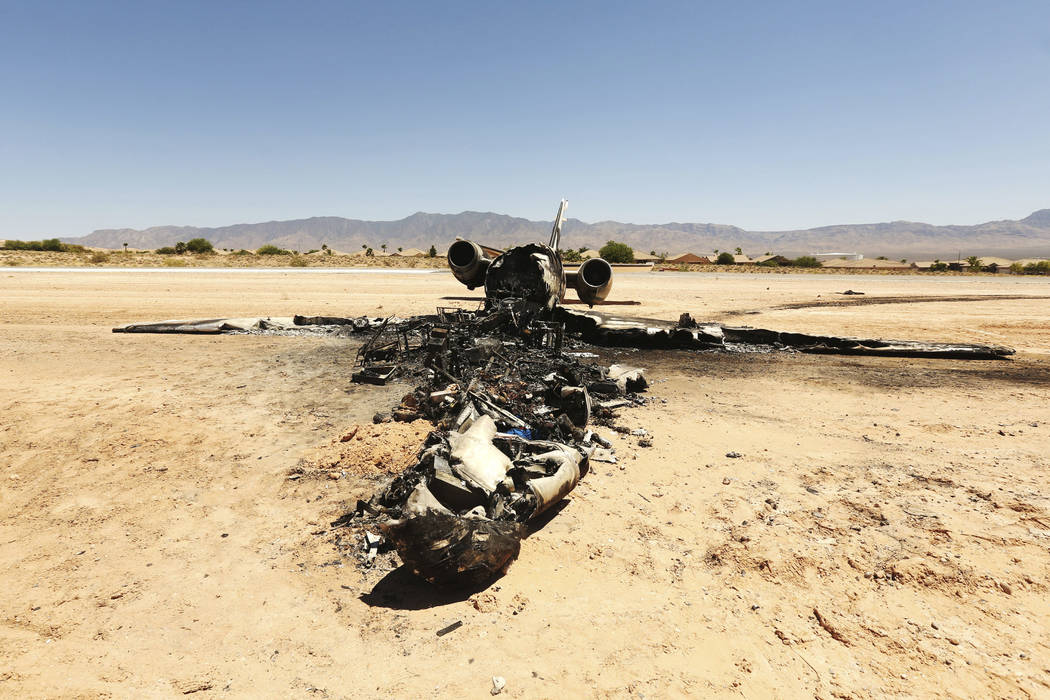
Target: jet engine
{"x":468,"y":263}
{"x":592,"y":281}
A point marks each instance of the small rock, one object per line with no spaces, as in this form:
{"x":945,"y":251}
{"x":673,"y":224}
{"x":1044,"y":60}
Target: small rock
{"x":498,"y":684}
{"x":733,"y":455}
{"x":726,"y":481}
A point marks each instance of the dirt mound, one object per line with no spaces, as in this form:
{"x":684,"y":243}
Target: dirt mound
{"x":366,"y":450}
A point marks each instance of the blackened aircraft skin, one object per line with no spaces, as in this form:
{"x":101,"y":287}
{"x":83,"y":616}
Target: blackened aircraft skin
{"x":533,"y":273}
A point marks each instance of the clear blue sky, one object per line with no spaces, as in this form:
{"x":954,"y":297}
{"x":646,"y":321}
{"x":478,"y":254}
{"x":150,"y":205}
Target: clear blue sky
{"x":764,"y":115}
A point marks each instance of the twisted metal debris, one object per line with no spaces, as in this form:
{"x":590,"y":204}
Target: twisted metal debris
{"x":512,"y":413}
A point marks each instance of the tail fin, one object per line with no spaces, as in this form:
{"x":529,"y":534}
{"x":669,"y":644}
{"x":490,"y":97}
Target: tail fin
{"x":556,"y":231}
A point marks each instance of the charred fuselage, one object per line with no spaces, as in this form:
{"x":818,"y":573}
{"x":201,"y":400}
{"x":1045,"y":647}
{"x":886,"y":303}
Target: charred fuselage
{"x":533,"y":273}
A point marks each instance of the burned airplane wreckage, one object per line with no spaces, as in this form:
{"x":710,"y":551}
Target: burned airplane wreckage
{"x":513,"y":415}
{"x":514,"y":412}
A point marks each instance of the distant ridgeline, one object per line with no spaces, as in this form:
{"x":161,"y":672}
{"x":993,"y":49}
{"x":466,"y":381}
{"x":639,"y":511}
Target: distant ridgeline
{"x":1024,"y":238}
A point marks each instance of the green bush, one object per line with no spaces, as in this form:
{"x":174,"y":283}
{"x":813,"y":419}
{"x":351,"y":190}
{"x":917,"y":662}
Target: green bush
{"x":571,"y":255}
{"x":1038,"y":268}
{"x":768,"y":263}
{"x":725,"y":259}
{"x":242,"y":251}
{"x":432,"y":253}
{"x":52,"y":245}
{"x":938,"y":266}
{"x":617,"y":252}
{"x":805,"y":261}
{"x":166,"y":250}
{"x":199,"y":245}
{"x":272,"y":250}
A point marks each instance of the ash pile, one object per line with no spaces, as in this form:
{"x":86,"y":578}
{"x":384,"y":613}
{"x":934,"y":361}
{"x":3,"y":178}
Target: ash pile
{"x":514,"y":414}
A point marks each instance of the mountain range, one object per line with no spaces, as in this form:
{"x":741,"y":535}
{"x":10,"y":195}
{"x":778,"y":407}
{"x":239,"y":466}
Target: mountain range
{"x":1028,"y":237}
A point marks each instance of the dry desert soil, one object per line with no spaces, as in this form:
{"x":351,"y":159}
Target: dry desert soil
{"x":885,"y":530}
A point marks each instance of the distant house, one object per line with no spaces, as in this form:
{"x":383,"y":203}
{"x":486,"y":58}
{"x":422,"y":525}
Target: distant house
{"x":741,"y":259}
{"x":993,"y":264}
{"x":778,"y":259}
{"x":689,"y":259}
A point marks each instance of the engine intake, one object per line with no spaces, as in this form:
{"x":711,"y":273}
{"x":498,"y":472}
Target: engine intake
{"x":594,"y":280}
{"x":468,"y":263}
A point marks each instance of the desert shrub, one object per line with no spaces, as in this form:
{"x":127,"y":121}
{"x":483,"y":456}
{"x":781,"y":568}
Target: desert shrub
{"x":165,"y":250}
{"x":1038,"y":268}
{"x":768,"y":263}
{"x":617,"y":252}
{"x":52,"y":245}
{"x":242,"y":251}
{"x":725,"y":259}
{"x":98,"y":257}
{"x":571,"y":255}
{"x":312,"y":251}
{"x":269,"y":249}
{"x":298,"y":261}
{"x":432,"y":253}
{"x":805,"y":261}
{"x":938,"y":266}
{"x":199,"y":245}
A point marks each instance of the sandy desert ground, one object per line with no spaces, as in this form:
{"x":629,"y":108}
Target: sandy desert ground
{"x":885,"y":531}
